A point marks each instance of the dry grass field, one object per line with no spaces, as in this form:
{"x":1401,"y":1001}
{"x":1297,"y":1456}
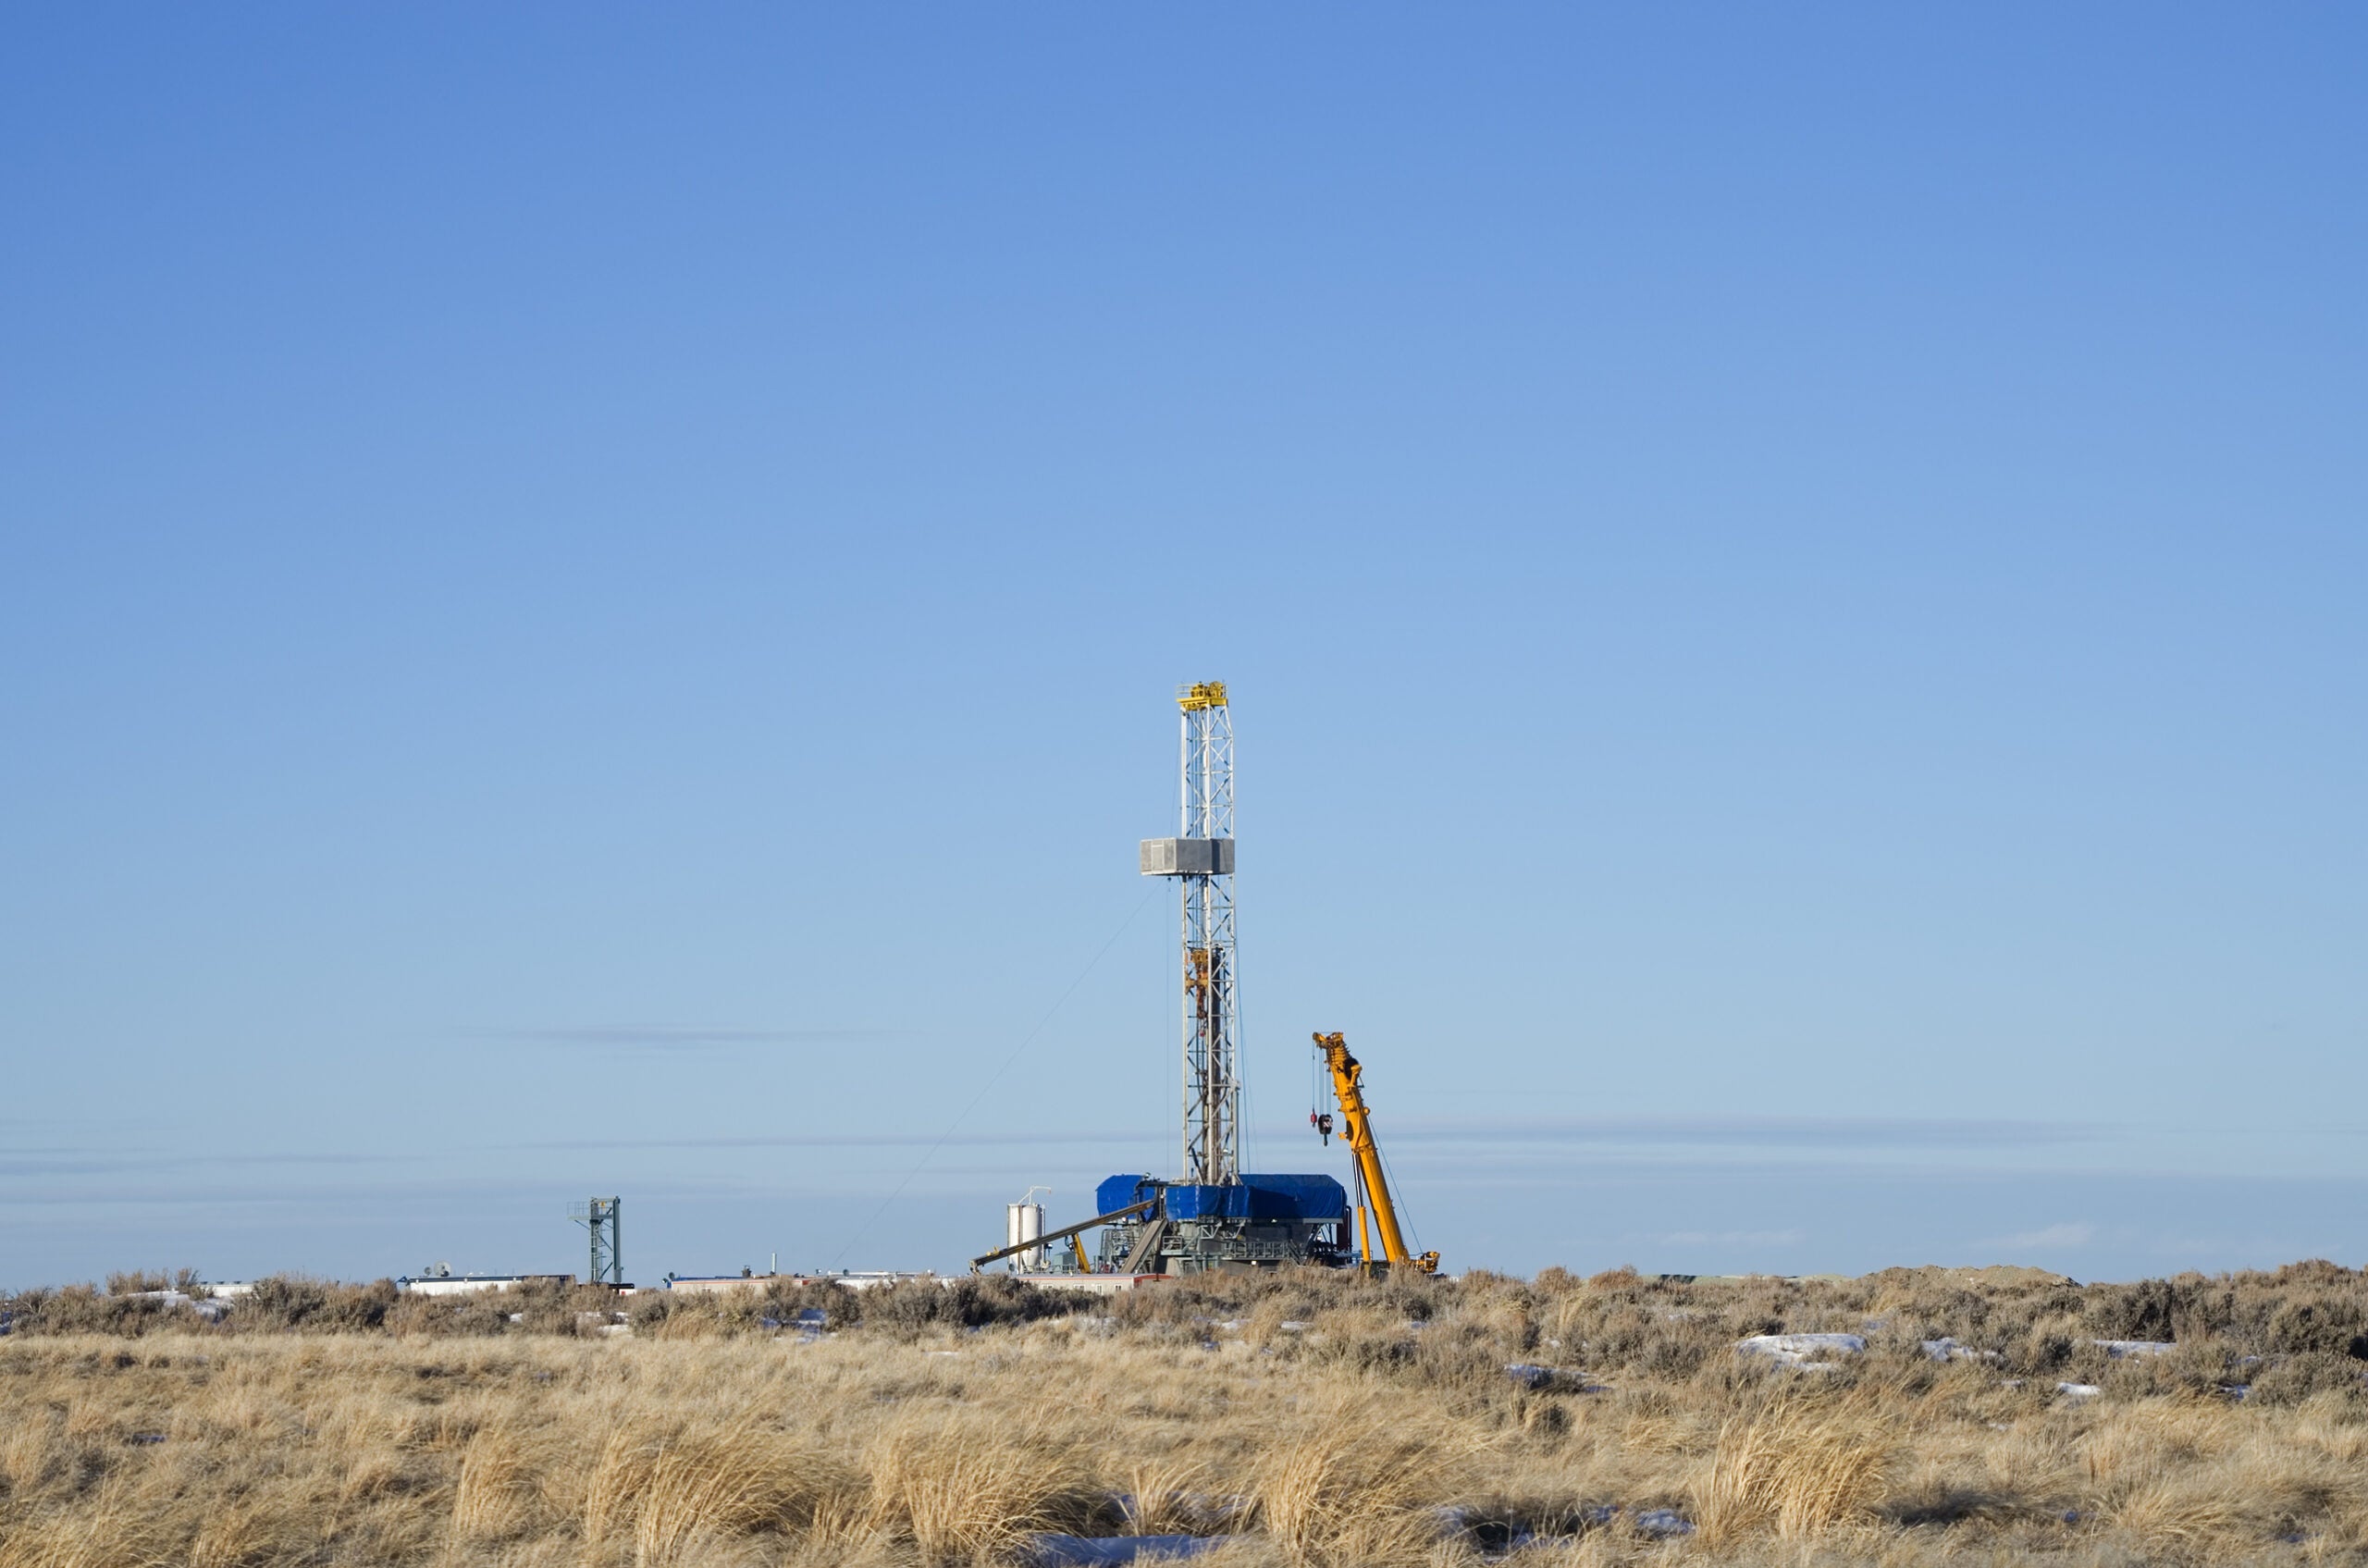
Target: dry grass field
{"x":1310,"y":1420}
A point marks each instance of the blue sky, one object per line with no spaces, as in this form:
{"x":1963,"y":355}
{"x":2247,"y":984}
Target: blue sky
{"x":588,"y":603}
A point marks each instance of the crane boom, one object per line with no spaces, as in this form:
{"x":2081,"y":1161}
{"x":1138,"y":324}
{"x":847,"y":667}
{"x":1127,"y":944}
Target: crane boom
{"x":1356,"y":1126}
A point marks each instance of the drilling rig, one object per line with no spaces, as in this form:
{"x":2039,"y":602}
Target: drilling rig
{"x":1211,"y":1216}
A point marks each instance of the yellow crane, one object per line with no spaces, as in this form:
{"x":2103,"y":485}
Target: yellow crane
{"x":1356,"y":1126}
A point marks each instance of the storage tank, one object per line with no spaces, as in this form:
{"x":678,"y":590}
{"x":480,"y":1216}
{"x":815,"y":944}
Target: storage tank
{"x":1024,"y":1221}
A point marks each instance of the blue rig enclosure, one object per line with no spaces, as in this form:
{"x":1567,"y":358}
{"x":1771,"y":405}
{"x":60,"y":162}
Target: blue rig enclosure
{"x":1259,"y":1222}
{"x":1318,"y":1200}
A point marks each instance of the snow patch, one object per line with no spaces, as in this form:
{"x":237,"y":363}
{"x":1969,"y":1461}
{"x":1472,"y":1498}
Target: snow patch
{"x":1801,"y":1349}
{"x":1108,"y":1552}
{"x":1946,"y":1349}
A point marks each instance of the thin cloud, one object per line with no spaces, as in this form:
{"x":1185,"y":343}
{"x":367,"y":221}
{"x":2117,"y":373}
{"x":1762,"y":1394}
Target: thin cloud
{"x":53,"y":1163}
{"x":1735,"y":1238}
{"x":858,"y":1141}
{"x":1856,"y":1132}
{"x":679,"y":1037}
{"x":64,"y":1162}
{"x":339,"y":1159}
{"x":2078,"y":1233}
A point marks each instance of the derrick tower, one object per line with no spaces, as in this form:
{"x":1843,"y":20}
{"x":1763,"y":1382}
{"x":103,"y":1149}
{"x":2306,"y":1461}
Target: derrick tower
{"x":1212,"y":1215}
{"x":1201,"y":859}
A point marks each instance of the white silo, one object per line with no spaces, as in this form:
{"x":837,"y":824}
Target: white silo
{"x":1024,"y":1221}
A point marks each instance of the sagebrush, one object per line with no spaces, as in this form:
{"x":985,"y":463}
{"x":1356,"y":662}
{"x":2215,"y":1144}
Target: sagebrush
{"x":1310,"y":1419}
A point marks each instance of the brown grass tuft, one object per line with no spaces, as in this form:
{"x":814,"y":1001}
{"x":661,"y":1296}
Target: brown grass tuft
{"x":1802,"y":1468}
{"x":1357,"y":1489}
{"x":497,"y":1487}
{"x":737,"y":1480}
{"x":113,"y":1531}
{"x":961,"y":1490}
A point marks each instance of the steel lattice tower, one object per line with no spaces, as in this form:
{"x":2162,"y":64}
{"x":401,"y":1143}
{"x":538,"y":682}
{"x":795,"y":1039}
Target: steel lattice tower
{"x":604,"y":1218}
{"x":1204,"y":867}
{"x":1203,"y":1220}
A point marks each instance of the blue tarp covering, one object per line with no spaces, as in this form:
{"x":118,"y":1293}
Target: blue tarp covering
{"x":1118,"y":1192}
{"x":1316,"y":1200}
